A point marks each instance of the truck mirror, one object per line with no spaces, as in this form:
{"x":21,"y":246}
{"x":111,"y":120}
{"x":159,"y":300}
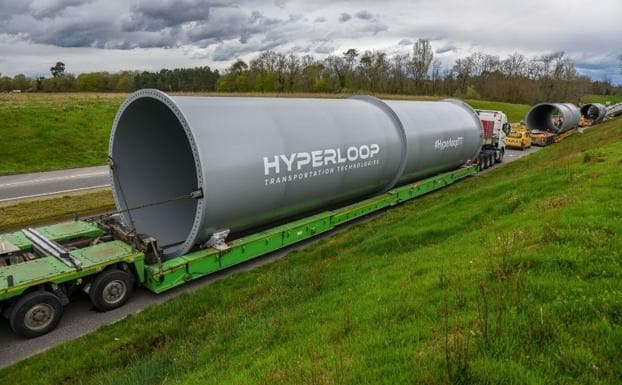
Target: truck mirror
{"x":506,"y":128}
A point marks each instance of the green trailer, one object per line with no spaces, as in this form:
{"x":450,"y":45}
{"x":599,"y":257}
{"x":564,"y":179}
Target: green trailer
{"x":42,"y":268}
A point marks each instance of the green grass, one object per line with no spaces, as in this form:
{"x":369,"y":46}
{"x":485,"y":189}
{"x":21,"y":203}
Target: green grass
{"x":604,"y":99}
{"x":511,"y":277}
{"x":54,"y":131}
{"x":514,"y":112}
{"x":17,"y":215}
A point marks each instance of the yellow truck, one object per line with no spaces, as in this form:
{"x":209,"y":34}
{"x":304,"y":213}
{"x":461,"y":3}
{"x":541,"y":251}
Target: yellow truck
{"x":518,"y":137}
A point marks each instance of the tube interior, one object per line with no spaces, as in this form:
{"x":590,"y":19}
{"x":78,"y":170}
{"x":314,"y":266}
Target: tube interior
{"x":545,"y":117}
{"x":154,"y":165}
{"x":590,"y":111}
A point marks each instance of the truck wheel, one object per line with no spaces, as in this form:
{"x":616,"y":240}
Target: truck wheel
{"x":501,"y":153}
{"x":111,"y":289}
{"x":36,"y":314}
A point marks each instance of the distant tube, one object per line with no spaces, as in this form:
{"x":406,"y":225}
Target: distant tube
{"x":595,"y":112}
{"x":541,"y":117}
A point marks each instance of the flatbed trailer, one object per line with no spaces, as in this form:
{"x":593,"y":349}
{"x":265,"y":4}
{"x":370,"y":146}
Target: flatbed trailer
{"x":545,"y":138}
{"x":41,"y":269}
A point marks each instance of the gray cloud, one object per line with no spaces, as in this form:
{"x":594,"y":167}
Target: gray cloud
{"x":154,"y":16}
{"x":344,"y":17}
{"x":38,"y":9}
{"x":446,"y":48}
{"x":364,"y":15}
{"x":214,"y":31}
{"x":53,"y":8}
{"x":165,"y":24}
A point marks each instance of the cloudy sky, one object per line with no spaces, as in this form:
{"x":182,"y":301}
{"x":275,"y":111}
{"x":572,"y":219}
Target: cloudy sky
{"x":111,"y":35}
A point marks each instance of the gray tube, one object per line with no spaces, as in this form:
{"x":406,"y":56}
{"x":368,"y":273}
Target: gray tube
{"x":260,"y":160}
{"x":540,"y":117}
{"x":595,"y":112}
{"x":615,"y":110}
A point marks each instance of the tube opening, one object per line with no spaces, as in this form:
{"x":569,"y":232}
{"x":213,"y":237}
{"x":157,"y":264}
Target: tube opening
{"x":154,"y":165}
{"x":545,"y":117}
{"x":591,"y":112}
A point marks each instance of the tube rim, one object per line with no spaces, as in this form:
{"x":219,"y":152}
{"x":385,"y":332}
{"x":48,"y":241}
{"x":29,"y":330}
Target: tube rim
{"x":174,"y":108}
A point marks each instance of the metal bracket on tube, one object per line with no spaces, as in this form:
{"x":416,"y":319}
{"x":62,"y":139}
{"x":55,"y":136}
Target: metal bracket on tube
{"x":217,"y":240}
{"x":196,"y":194}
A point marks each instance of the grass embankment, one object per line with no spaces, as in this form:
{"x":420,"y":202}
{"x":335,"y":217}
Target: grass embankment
{"x":514,"y":276}
{"x":604,"y":99}
{"x":41,"y":211}
{"x":54,"y":131}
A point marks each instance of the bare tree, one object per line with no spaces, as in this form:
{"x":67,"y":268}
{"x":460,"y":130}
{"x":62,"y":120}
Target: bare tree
{"x":398,"y":79}
{"x":421,"y":60}
{"x":436,"y":75}
{"x":374,"y":70}
{"x":464,"y":71}
{"x":339,"y":69}
{"x":349,"y":57}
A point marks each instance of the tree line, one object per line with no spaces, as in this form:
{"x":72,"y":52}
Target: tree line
{"x":178,"y":79}
{"x":515,"y":78}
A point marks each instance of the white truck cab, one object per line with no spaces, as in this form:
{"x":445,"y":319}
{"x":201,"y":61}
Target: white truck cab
{"x":495,"y":128}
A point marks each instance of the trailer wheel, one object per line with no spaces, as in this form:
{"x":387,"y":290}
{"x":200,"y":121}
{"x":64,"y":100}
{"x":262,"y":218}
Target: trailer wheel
{"x":36,"y":314}
{"x":111,"y":289}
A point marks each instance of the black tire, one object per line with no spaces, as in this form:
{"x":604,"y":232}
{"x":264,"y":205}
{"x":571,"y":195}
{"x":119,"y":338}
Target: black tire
{"x":111,"y":289}
{"x":501,"y":154}
{"x":35,"y":314}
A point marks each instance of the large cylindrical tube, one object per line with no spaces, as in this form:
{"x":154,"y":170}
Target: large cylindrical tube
{"x":260,"y":160}
{"x":595,"y":112}
{"x":553,"y":117}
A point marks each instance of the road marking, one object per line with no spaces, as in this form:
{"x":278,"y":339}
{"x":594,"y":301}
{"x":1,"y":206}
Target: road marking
{"x":53,"y":193}
{"x":52,"y":179}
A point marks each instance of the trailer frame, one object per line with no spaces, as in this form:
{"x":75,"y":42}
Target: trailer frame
{"x":197,"y":264}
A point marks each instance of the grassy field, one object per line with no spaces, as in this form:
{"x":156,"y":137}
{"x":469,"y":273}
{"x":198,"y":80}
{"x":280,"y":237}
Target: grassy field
{"x":18,"y":215}
{"x":512,"y":277}
{"x":54,"y":131}
{"x":604,"y":99}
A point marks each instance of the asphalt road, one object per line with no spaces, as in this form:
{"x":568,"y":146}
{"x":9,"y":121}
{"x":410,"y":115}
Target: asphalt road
{"x":512,"y":155}
{"x":40,"y":184}
{"x":80,"y":318}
